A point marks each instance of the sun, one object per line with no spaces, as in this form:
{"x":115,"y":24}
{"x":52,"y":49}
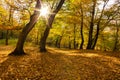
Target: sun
{"x":44,"y":11}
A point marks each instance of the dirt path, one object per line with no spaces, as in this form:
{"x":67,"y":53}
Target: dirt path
{"x":59,"y":65}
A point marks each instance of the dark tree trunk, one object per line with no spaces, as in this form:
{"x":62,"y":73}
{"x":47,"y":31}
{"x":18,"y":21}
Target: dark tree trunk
{"x":49,"y":25}
{"x":81,"y":30}
{"x":1,"y":34}
{"x":22,"y":37}
{"x":96,"y":38}
{"x":19,"y":47}
{"x":43,"y":40}
{"x":90,"y":37}
{"x":46,"y":33}
{"x":7,"y":37}
{"x":11,"y":34}
{"x":94,"y":41}
{"x":69,"y":43}
{"x":59,"y":41}
{"x":56,"y":42}
{"x":10,"y":22}
{"x":116,"y":37}
{"x":74,"y":32}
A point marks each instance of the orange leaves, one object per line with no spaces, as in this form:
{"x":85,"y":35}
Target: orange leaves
{"x":60,"y":65}
{"x":10,"y":27}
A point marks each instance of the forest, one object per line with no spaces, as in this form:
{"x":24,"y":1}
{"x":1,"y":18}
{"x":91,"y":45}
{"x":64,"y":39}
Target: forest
{"x":59,"y":39}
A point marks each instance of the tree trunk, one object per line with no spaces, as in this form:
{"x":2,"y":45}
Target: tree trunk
{"x":94,"y":41}
{"x":7,"y":35}
{"x":81,"y":28}
{"x":46,"y":33}
{"x":59,"y":41}
{"x":19,"y":47}
{"x":116,"y":37}
{"x":96,"y":38}
{"x":49,"y":25}
{"x":10,"y":22}
{"x":43,"y":40}
{"x":74,"y":32}
{"x":90,"y":37}
{"x":56,"y":42}
{"x":69,"y":43}
{"x":1,"y":34}
{"x":22,"y":37}
{"x":11,"y":34}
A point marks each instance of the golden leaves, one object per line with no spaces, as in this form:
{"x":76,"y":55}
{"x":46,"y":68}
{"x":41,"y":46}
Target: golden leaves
{"x":60,"y":65}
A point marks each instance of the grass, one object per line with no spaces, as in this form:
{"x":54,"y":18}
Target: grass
{"x":13,"y":42}
{"x":10,"y":41}
{"x":58,"y":64}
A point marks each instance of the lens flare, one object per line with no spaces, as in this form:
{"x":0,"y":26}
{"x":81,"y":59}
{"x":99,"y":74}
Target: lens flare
{"x":44,"y":11}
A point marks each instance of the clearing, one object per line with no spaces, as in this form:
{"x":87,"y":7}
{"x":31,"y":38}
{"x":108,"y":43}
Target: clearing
{"x":59,"y":64}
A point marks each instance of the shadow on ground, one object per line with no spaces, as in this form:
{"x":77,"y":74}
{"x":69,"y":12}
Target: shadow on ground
{"x":59,"y":65}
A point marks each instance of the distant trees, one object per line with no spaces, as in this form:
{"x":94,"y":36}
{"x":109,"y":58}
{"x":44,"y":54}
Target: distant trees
{"x":6,"y":21}
{"x":10,"y":19}
{"x":82,"y":25}
{"x":110,"y":27}
{"x":92,"y":39}
{"x":79,"y":24}
{"x":115,"y":48}
{"x":92,"y":17}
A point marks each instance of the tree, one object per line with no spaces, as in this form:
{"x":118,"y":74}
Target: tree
{"x":81,"y":29}
{"x":22,"y":37}
{"x":49,"y":25}
{"x":6,"y":20}
{"x":117,"y":29}
{"x":116,"y":37}
{"x":91,"y":25}
{"x":11,"y":24}
{"x":79,"y":9}
{"x":10,"y":11}
{"x":74,"y":40}
{"x":98,"y":26}
{"x":95,"y":21}
{"x":108,"y":22}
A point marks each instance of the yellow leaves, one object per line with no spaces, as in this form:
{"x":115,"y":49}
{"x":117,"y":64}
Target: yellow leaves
{"x":73,"y":19}
{"x":3,"y":12}
{"x":11,"y":3}
{"x":75,"y":1}
{"x":10,"y":27}
{"x":72,"y":0}
{"x":25,"y":16}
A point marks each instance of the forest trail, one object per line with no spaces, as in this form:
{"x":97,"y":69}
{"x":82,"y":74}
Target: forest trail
{"x":59,"y":64}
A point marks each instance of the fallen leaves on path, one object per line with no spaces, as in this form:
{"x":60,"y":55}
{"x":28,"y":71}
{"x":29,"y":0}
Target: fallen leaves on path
{"x":59,"y":65}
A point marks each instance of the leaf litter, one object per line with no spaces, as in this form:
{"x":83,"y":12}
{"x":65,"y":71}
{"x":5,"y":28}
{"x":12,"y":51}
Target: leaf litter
{"x":59,"y":64}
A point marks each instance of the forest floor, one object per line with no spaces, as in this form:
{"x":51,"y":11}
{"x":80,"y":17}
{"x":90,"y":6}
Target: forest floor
{"x":59,"y":64}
